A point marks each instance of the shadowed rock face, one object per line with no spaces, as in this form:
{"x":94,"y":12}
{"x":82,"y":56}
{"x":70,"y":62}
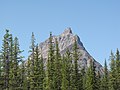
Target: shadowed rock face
{"x":66,"y":41}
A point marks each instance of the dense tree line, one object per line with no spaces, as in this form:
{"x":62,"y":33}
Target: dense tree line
{"x":61,"y":72}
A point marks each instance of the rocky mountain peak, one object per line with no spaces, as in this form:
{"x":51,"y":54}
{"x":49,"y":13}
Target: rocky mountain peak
{"x":66,"y":41}
{"x":67,"y":31}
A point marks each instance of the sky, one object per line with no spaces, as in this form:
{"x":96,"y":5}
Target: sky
{"x":96,"y":22}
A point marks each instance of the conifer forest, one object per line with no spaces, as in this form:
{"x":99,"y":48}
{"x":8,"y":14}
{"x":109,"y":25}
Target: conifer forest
{"x":60,"y":72}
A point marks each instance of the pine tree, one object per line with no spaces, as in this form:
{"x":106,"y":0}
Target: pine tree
{"x":11,"y":57}
{"x":32,"y":47}
{"x":32,"y":59}
{"x":70,"y":70}
{"x":38,"y":71}
{"x":5,"y":61}
{"x":57,"y":74}
{"x":10,"y":60}
{"x":112,"y":81}
{"x":14,"y":66}
{"x":50,"y":67}
{"x":65,"y":82}
{"x":117,"y":70}
{"x":78,"y":78}
{"x":91,"y":79}
{"x":105,"y":79}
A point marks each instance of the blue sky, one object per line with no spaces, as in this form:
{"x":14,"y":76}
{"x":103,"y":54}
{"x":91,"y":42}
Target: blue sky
{"x":97,"y":22}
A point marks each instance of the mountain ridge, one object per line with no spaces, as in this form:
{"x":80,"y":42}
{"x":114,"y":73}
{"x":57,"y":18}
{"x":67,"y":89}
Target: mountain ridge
{"x":66,"y":41}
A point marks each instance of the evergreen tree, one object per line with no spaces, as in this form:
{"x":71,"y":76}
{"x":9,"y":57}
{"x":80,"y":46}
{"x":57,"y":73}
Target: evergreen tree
{"x":112,"y":81}
{"x":70,"y":70}
{"x":14,"y":65}
{"x":65,"y":81}
{"x":78,"y":78}
{"x":32,"y":59}
{"x":105,"y":79}
{"x":38,"y":71}
{"x":10,"y":60}
{"x":57,"y":74}
{"x":5,"y":61}
{"x":117,"y":70}
{"x":11,"y":57}
{"x":50,"y":67}
{"x":42,"y":73}
{"x":76,"y":70}
{"x":91,"y":79}
{"x":32,"y":49}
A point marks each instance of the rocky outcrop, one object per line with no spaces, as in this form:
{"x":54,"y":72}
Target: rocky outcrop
{"x":66,"y":41}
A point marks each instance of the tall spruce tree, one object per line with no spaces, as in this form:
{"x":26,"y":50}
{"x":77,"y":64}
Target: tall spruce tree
{"x":11,"y":56}
{"x":91,"y":79}
{"x":65,"y":81}
{"x":50,"y":81}
{"x":117,"y":70}
{"x":5,"y":61}
{"x":112,"y":81}
{"x":105,"y":79}
{"x":76,"y":70}
{"x":38,"y":70}
{"x":32,"y":60}
{"x":70,"y":70}
{"x":10,"y":60}
{"x":57,"y":75}
{"x":15,"y":74}
{"x":78,"y":78}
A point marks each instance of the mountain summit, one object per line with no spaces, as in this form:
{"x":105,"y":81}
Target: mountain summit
{"x":66,"y":41}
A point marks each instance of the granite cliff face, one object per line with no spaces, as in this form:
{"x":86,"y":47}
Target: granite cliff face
{"x":66,"y":41}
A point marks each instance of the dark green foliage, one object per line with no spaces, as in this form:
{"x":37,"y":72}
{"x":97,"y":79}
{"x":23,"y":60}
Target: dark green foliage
{"x":105,"y":78}
{"x":35,"y":68}
{"x":65,"y":81}
{"x":28,"y":70}
{"x":15,"y":59}
{"x":38,"y":71}
{"x":10,"y":59}
{"x":115,"y":71}
{"x":112,"y":81}
{"x":69,"y":70}
{"x":91,"y":78}
{"x":50,"y":78}
{"x":76,"y":70}
{"x":6,"y":59}
{"x":58,"y":74}
{"x":78,"y":75}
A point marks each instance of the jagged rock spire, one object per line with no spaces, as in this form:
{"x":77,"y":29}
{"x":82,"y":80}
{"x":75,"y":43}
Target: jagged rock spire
{"x":67,"y":31}
{"x":66,"y":41}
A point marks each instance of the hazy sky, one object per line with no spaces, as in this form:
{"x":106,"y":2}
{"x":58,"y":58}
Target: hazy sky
{"x":97,"y":22}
